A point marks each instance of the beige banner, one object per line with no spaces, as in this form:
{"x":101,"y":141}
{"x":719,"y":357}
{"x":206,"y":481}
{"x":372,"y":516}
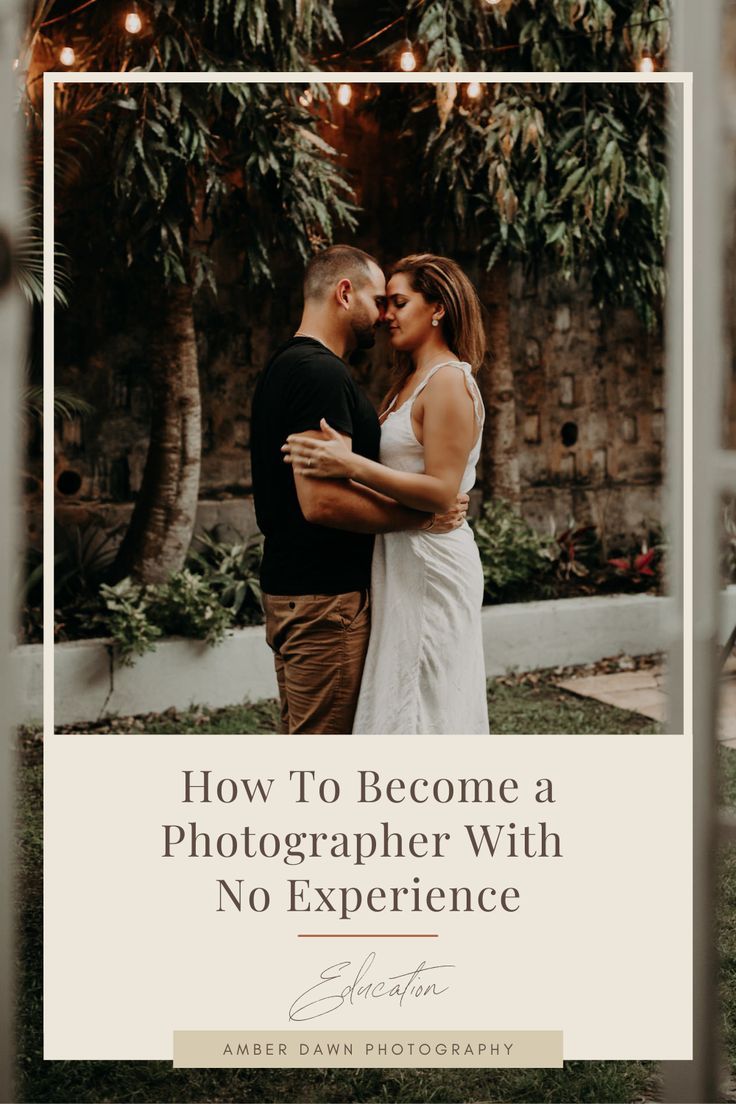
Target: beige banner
{"x":367,"y":1049}
{"x":569,"y":957}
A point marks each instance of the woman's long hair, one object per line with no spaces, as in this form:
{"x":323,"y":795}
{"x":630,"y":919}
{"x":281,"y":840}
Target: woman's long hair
{"x":442,"y":281}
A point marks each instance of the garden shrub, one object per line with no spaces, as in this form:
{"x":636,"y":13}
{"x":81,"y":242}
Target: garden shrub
{"x":127,"y":620}
{"x":520,"y":564}
{"x":185,"y":605}
{"x":232,"y":570}
{"x":217,"y":590}
{"x":575,"y":550}
{"x":516,"y":560}
{"x":188,"y":605}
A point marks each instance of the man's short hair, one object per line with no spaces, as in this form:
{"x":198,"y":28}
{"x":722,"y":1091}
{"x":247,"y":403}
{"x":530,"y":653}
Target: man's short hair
{"x":333,"y":264}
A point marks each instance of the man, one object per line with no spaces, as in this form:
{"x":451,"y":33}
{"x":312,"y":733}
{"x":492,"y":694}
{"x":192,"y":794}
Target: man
{"x":318,"y":533}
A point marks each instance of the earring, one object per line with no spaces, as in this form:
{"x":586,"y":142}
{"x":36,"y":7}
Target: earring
{"x":435,"y":322}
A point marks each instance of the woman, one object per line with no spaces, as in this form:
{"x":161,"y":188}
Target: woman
{"x":424,"y":671}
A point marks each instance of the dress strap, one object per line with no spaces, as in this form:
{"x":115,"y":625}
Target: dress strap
{"x":470,"y":383}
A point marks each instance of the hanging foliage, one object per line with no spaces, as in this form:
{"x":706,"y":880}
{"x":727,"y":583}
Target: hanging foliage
{"x":541,"y":35}
{"x":575,"y":173}
{"x":185,"y":161}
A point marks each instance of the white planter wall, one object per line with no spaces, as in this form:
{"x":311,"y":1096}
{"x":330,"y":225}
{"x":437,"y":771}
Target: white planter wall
{"x":180,"y":673}
{"x":530,"y":635}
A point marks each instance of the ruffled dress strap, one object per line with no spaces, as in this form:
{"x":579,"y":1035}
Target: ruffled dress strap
{"x":470,"y":384}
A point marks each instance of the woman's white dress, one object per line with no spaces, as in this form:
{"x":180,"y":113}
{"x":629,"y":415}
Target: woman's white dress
{"x":424,"y":671}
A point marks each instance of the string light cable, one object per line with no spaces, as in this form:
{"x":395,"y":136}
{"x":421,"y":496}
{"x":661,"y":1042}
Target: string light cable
{"x":646,"y":62}
{"x":342,"y":54}
{"x":370,"y":37}
{"x":67,"y":15}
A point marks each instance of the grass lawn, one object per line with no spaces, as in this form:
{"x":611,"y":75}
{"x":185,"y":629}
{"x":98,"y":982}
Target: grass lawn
{"x":523,"y":703}
{"x":526,"y":704}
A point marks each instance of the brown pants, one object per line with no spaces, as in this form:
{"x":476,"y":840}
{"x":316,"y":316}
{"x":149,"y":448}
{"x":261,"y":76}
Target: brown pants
{"x":319,"y":643}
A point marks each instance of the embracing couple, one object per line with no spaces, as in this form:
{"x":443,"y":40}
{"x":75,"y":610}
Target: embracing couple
{"x":372,"y":582}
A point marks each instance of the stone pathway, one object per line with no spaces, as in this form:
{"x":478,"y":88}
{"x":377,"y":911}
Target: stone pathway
{"x":643,"y":691}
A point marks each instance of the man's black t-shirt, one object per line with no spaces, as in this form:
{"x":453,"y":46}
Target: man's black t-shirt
{"x":303,"y":382}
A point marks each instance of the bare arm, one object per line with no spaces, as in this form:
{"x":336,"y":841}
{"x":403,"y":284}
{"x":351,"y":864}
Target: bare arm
{"x":449,"y":429}
{"x":341,"y":504}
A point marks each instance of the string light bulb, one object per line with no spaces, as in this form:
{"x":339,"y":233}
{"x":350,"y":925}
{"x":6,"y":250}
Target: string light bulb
{"x":407,"y":61}
{"x":306,"y":98}
{"x":344,"y":94}
{"x":646,"y":62}
{"x":66,"y":55}
{"x":133,"y":21}
{"x":474,"y":90}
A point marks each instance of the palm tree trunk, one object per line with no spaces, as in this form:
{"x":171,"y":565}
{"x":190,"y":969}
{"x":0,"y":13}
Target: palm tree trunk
{"x":162,"y":524}
{"x":500,"y":451}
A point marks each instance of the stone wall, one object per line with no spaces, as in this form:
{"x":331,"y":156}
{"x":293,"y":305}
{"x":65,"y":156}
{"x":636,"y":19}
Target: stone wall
{"x":589,"y":404}
{"x":590,"y":410}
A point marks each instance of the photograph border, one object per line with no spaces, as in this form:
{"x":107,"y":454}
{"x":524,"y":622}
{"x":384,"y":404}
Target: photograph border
{"x":679,"y":440}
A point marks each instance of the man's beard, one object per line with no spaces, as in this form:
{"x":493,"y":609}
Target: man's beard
{"x":364,"y":332}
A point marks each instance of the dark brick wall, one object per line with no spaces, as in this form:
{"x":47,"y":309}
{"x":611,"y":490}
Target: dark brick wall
{"x":590,"y":409}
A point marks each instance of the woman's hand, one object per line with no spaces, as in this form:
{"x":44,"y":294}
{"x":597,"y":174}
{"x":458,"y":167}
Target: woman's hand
{"x":327,"y":458}
{"x":453,"y":519}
